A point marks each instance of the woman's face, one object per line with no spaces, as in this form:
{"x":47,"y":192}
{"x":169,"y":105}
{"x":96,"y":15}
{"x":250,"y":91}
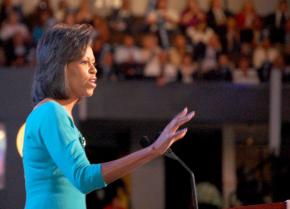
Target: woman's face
{"x":81,"y":76}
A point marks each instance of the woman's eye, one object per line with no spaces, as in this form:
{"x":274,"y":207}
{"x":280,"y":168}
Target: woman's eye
{"x":84,"y":62}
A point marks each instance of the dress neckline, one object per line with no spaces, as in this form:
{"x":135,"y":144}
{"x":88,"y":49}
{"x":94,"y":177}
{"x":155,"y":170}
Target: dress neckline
{"x":45,"y":101}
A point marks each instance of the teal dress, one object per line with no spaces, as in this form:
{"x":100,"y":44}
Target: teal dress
{"x":56,"y":169}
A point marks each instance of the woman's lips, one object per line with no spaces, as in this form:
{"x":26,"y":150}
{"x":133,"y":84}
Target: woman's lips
{"x":93,"y":82}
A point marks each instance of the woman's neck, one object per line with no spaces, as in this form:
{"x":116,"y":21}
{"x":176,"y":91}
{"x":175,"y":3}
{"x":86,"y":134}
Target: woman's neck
{"x":67,"y":104}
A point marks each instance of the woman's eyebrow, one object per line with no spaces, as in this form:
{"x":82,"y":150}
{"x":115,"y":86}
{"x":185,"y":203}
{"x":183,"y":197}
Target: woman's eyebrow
{"x":90,"y":59}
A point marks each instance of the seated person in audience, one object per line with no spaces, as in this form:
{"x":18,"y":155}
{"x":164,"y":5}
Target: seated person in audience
{"x":17,"y":50}
{"x":44,"y":21}
{"x":128,"y":58}
{"x":7,"y":6}
{"x":121,"y":19}
{"x":231,"y":39}
{"x":168,"y":71}
{"x":244,"y":74}
{"x":258,"y":31}
{"x":161,"y":70}
{"x":107,"y":67}
{"x":101,"y":28}
{"x":280,"y":65}
{"x":187,"y":70}
{"x":84,"y":12}
{"x":150,"y":56}
{"x":179,"y":49}
{"x":162,"y":21}
{"x":162,"y":16}
{"x":199,"y":36}
{"x":209,"y":62}
{"x":201,"y":33}
{"x":103,"y":53}
{"x":11,"y":26}
{"x":276,"y":21}
{"x":69,"y":18}
{"x":224,"y":69}
{"x":191,"y":15}
{"x":217,"y":17}
{"x":245,"y":21}
{"x":61,"y":9}
{"x":263,"y":58}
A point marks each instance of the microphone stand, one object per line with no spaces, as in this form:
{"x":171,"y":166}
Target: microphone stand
{"x":170,"y":154}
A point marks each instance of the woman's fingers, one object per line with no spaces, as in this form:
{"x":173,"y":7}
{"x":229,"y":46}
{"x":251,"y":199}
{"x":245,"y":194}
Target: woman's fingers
{"x":182,"y":120}
{"x":182,"y":113}
{"x":179,"y":134}
{"x":178,"y":117}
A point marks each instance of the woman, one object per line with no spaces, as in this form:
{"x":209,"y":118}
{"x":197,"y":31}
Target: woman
{"x":57,"y":171}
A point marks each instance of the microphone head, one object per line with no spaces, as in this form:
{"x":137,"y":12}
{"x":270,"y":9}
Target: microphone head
{"x":145,"y":141}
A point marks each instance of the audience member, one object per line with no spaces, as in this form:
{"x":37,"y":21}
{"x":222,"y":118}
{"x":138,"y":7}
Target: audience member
{"x":217,"y":17}
{"x":44,"y":21}
{"x":101,"y":28}
{"x":231,"y":40}
{"x":12,"y":25}
{"x":103,"y":54}
{"x":61,"y":10}
{"x":84,"y":14}
{"x":8,"y":6}
{"x":121,"y":19}
{"x":187,"y":69}
{"x":263,"y":58}
{"x":258,"y":31}
{"x":212,"y":50}
{"x":163,"y":21}
{"x":150,"y":56}
{"x":244,"y":74}
{"x":191,"y":15}
{"x":128,"y":57}
{"x":168,"y":71}
{"x":276,"y":22}
{"x":201,"y":33}
{"x":179,"y":49}
{"x":224,"y":69}
{"x":245,"y":21}
{"x":70,"y":18}
{"x":17,"y":50}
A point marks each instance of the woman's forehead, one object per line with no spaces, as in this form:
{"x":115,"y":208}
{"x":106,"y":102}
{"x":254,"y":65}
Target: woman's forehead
{"x":89,"y":53}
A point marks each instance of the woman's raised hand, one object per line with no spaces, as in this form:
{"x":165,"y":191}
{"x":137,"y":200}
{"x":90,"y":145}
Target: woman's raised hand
{"x":170,"y":133}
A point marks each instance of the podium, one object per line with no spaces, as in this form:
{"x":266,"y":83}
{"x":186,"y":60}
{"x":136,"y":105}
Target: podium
{"x":278,"y":205}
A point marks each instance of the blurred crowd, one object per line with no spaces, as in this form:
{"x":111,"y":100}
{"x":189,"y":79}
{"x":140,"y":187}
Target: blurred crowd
{"x":163,"y":45}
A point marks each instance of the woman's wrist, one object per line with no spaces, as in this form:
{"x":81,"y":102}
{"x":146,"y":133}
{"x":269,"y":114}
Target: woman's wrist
{"x":154,"y":151}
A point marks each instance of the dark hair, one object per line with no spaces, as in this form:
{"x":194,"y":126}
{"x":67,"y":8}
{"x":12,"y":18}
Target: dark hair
{"x":59,"y":46}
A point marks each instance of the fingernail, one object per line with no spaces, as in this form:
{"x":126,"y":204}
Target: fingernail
{"x":191,"y":114}
{"x":185,"y":109}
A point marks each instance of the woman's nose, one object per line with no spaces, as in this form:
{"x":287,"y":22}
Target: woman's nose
{"x":93,"y":69}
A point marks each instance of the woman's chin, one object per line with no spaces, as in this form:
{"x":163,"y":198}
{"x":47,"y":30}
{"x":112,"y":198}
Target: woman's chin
{"x":89,"y":93}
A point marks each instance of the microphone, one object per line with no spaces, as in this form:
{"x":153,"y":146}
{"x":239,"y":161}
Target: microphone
{"x":145,"y":142}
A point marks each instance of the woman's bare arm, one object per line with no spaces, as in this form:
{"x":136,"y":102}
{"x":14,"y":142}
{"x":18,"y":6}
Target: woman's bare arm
{"x":116,"y":169}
